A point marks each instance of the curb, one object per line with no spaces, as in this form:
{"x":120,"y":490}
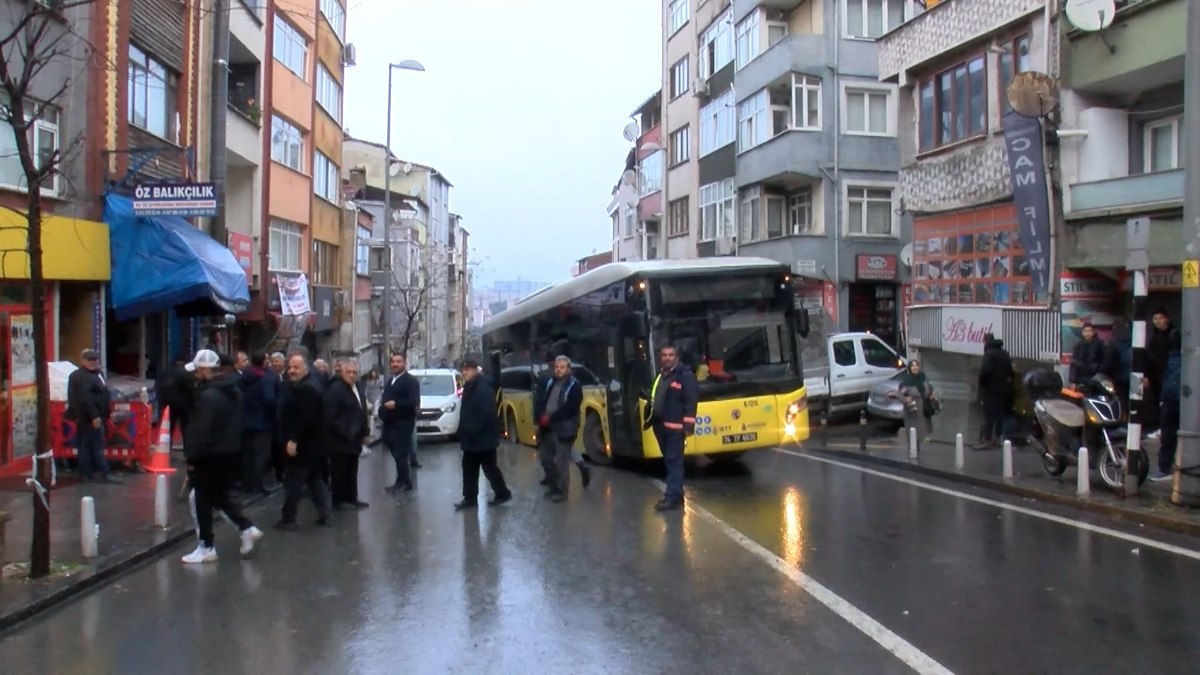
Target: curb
{"x":1161,"y":522}
{"x":106,"y":573}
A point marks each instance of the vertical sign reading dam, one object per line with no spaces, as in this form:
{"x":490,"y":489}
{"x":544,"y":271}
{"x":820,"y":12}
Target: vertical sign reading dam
{"x":1023,"y":137}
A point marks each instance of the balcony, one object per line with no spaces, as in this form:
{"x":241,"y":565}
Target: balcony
{"x":788,"y":160}
{"x":800,"y":52}
{"x":1138,"y":192}
{"x":244,"y":125}
{"x":742,"y":8}
{"x":1143,"y":49}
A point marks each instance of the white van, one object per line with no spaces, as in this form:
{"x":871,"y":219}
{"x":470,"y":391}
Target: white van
{"x":841,"y":369}
{"x":441,"y":401}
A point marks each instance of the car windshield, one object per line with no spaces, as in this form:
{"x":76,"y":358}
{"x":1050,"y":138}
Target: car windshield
{"x":436,"y":385}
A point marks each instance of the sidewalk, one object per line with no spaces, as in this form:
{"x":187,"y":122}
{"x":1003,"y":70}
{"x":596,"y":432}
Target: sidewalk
{"x":984,"y":468}
{"x":125,"y":514}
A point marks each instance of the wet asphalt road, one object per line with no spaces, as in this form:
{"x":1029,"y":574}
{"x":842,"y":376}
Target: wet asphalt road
{"x":604,"y":585}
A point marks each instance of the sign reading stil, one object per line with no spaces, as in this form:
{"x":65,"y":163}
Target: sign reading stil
{"x":963,"y":328}
{"x":242,"y":246}
{"x":188,"y":200}
{"x":872,"y":267}
{"x":1023,"y":138}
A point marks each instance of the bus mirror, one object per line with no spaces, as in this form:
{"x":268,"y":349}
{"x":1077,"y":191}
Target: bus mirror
{"x":802,"y":325}
{"x":493,"y":363}
{"x":641,"y":325}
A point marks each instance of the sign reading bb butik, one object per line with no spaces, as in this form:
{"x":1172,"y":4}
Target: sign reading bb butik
{"x":963,"y":328}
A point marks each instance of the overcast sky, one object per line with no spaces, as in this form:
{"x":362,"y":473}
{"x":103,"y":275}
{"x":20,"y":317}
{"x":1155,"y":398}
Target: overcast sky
{"x":521,"y":107}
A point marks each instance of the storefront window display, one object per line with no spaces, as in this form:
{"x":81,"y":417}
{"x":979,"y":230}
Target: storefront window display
{"x":970,"y":257}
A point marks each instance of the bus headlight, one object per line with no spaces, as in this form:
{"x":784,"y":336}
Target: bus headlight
{"x":790,"y":416}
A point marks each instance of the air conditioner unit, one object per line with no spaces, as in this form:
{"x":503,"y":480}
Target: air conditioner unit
{"x":725,"y":246}
{"x":349,"y":56}
{"x":700,"y":87}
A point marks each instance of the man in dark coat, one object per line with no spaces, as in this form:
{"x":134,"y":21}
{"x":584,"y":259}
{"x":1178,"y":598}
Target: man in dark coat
{"x":479,"y":438}
{"x":398,"y":408}
{"x":175,"y":389}
{"x":996,"y":390}
{"x":346,"y":429}
{"x":1089,"y":356}
{"x":674,"y":397}
{"x":1172,"y":383}
{"x":556,"y":410}
{"x":211,"y":444}
{"x":258,"y":422}
{"x":303,"y":433}
{"x":88,"y":406}
{"x":1158,"y":348}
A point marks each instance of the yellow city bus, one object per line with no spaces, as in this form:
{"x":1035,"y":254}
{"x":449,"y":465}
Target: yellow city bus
{"x":734,"y":321}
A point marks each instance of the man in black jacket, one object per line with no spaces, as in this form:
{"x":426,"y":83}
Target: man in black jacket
{"x":556,"y":410}
{"x":399,"y":403}
{"x":88,"y":406}
{"x":1089,"y":356}
{"x":175,"y":389}
{"x":257,"y":423}
{"x":996,"y":390}
{"x":674,"y":397}
{"x":303,"y":434}
{"x":346,"y":429}
{"x":211,"y":444}
{"x":479,"y":438}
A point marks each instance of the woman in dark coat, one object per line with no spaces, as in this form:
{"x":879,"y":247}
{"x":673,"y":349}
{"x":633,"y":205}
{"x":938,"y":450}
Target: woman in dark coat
{"x":346,"y":429}
{"x":914,"y":378}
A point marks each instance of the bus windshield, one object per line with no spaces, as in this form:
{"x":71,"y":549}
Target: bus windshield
{"x":728,"y":329}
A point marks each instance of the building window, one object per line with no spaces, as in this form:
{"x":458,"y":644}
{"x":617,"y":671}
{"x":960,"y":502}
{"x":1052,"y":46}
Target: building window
{"x":679,"y":78}
{"x":679,"y":15}
{"x":290,"y":48}
{"x":749,"y":219}
{"x":651,"y":173}
{"x":286,"y":240}
{"x":324,"y":263}
{"x":752,"y":121}
{"x":716,"y":46}
{"x":954,"y":104}
{"x":776,"y":215}
{"x":746,"y":40}
{"x":286,"y":143}
{"x":329,"y":93}
{"x":867,"y":112}
{"x":336,"y":16}
{"x":1013,"y":61}
{"x":806,"y":102}
{"x":1163,"y":140}
{"x":717,"y":128}
{"x":800,"y":212}
{"x":677,"y":212}
{"x":153,"y":93}
{"x":630,"y":221}
{"x":872,"y":18}
{"x":44,"y":142}
{"x":716,"y":210}
{"x":681,"y":145}
{"x":327,"y":182}
{"x":870,"y":211}
{"x":362,"y":252}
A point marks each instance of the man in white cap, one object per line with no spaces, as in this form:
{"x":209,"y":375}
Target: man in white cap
{"x":211,"y":444}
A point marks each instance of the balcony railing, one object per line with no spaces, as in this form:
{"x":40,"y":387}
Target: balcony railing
{"x":1160,"y":187}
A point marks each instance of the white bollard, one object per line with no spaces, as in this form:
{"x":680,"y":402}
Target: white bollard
{"x":960,"y":460}
{"x":1008,"y":459}
{"x":1083,"y":479}
{"x":160,"y":500}
{"x":89,"y":531}
{"x":913,"y":451}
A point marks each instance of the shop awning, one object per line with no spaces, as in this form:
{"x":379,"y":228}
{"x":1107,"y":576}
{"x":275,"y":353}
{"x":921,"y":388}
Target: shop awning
{"x":164,"y":262}
{"x":73,"y":249}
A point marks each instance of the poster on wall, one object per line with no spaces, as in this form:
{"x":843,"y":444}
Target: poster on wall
{"x":1086,"y":298}
{"x":970,"y":257}
{"x":24,"y":421}
{"x":21,"y":350}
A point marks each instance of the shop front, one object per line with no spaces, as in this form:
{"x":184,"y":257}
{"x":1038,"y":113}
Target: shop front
{"x":76,"y":265}
{"x":874,"y":297}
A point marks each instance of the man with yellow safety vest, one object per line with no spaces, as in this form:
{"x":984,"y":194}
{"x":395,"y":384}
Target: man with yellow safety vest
{"x":672,"y":414}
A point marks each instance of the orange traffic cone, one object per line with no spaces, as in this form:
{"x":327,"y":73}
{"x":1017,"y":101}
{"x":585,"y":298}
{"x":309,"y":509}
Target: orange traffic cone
{"x":160,"y":458}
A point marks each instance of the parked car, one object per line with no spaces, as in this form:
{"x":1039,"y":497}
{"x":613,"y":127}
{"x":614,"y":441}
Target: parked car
{"x":885,"y":405}
{"x":441,"y":402}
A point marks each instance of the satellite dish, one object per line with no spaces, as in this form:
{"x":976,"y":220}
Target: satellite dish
{"x":906,"y":254}
{"x":393,"y":169}
{"x":408,"y":167}
{"x":628,"y":195}
{"x":1032,"y":94}
{"x":631,"y":132}
{"x":1091,"y":15}
{"x":629,"y":177}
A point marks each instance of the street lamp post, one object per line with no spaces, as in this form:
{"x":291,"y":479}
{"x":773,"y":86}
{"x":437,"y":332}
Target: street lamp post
{"x":385,"y":350}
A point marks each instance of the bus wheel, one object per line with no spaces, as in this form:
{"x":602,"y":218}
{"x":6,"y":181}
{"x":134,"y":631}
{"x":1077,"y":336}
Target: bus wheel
{"x":510,"y":430}
{"x":593,"y":440}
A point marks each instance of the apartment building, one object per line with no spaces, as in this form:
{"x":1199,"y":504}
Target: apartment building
{"x":458,"y":315}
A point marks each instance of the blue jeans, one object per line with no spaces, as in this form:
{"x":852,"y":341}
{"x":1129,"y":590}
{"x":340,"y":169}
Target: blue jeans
{"x":670,"y":442}
{"x":89,"y":441}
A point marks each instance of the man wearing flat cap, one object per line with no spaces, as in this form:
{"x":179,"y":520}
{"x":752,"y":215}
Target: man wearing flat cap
{"x":88,"y":406}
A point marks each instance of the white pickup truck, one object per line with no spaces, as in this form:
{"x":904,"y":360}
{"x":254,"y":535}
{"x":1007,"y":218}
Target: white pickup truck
{"x":840,"y":369}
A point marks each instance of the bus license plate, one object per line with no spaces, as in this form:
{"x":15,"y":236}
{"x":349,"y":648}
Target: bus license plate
{"x":739,"y":438}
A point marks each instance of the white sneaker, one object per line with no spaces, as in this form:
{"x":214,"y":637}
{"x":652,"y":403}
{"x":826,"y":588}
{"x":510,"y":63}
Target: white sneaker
{"x":202,"y":554}
{"x":1154,"y":435}
{"x":249,"y":536}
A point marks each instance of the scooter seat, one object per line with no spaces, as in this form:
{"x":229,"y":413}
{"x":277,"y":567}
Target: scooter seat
{"x":1064,"y":412}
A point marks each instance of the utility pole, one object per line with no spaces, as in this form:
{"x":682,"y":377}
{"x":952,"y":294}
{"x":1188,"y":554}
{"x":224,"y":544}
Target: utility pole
{"x":220,"y":104}
{"x":1186,"y":486}
{"x":385,"y":351}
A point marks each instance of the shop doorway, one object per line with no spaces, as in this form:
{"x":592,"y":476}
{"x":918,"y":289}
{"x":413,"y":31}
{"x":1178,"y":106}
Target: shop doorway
{"x":873,"y":309}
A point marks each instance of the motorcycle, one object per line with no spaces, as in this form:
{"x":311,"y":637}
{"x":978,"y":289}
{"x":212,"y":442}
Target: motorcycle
{"x":1089,"y":416}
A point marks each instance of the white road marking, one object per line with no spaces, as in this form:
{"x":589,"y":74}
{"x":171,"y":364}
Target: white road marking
{"x":896,"y":645}
{"x":1097,"y":529}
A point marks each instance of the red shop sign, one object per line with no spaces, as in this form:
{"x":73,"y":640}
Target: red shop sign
{"x":242,"y":246}
{"x":873,"y":267}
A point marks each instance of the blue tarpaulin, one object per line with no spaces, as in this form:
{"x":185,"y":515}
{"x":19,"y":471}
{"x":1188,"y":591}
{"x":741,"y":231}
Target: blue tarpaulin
{"x":164,"y":262}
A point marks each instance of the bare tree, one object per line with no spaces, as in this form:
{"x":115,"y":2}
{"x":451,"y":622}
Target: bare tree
{"x":419,"y":287}
{"x":33,"y":38}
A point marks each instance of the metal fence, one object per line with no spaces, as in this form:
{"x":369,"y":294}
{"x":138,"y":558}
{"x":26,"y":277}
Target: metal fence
{"x":1031,"y":333}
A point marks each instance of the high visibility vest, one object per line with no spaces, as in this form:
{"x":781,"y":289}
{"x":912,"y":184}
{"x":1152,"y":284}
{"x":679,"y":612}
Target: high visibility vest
{"x":653,"y":393}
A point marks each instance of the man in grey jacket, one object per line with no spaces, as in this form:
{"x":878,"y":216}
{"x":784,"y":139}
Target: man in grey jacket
{"x":556,"y":410}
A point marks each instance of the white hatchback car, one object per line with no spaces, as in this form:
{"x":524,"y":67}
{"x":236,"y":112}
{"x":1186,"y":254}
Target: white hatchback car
{"x":441,"y":402}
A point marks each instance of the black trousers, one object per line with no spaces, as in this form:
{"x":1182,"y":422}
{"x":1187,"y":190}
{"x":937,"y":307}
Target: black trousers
{"x":472,"y":463}
{"x":1170,"y":435}
{"x":256,"y":456}
{"x":995,"y":409}
{"x":298,"y":475}
{"x":343,"y":473}
{"x":211,"y":479}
